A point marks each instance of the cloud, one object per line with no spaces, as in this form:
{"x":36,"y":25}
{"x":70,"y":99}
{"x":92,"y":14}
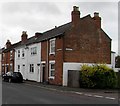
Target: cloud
{"x":42,"y":16}
{"x":29,"y":8}
{"x":30,"y":16}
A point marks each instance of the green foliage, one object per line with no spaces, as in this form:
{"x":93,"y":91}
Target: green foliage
{"x":97,"y":76}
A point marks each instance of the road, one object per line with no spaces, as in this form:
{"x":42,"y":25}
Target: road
{"x":15,"y":93}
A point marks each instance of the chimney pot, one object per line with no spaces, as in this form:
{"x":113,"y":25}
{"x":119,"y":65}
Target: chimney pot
{"x":24,"y":32}
{"x":24,"y":36}
{"x":75,"y":8}
{"x":8,"y":44}
{"x":96,"y":14}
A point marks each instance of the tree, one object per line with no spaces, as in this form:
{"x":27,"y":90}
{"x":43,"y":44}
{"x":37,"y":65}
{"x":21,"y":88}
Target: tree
{"x":117,"y":61}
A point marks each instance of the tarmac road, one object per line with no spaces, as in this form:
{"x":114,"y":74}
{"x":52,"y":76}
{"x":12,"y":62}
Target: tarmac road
{"x":26,"y":93}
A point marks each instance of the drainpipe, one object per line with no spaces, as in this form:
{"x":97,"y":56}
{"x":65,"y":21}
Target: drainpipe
{"x":47,"y":62}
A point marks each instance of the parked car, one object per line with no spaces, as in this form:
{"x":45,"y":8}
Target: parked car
{"x":13,"y":77}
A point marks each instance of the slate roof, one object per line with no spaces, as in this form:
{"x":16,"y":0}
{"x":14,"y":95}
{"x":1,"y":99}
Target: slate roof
{"x":50,"y":34}
{"x":1,"y":50}
{"x":11,"y":47}
{"x":57,"y":31}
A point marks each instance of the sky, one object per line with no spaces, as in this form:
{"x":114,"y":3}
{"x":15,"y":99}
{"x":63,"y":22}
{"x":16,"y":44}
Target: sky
{"x":40,"y":16}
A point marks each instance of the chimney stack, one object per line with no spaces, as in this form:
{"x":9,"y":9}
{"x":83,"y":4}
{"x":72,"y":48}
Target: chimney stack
{"x":24,"y":36}
{"x":75,"y":16}
{"x":8,"y":44}
{"x":37,"y":34}
{"x":97,"y":19}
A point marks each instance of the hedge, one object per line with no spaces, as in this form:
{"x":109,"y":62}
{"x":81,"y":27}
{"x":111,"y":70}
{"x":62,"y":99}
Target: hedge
{"x":97,"y":76}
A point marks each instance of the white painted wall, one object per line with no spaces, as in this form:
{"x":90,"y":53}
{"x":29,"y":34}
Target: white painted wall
{"x":0,"y":63}
{"x":116,"y":69}
{"x":27,"y":60}
{"x":34,"y":59}
{"x":20,"y":61}
{"x":113,"y":59}
{"x":72,"y":66}
{"x":113,"y":62}
{"x":119,"y":44}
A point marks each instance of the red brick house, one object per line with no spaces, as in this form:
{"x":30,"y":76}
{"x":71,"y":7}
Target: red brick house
{"x":65,"y":48}
{"x":7,"y":61}
{"x":80,"y":41}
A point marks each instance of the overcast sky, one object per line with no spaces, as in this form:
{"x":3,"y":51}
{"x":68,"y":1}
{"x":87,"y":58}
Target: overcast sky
{"x":32,"y":17}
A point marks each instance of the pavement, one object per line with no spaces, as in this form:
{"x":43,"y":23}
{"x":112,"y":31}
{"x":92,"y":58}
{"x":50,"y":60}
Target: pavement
{"x":108,"y":93}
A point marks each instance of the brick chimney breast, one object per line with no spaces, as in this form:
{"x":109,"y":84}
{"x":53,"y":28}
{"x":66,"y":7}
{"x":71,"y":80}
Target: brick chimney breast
{"x":75,"y":15}
{"x":24,"y":36}
{"x":97,"y":19}
{"x":8,"y":44}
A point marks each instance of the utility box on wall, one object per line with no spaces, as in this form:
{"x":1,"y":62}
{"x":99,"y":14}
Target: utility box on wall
{"x":73,"y":78}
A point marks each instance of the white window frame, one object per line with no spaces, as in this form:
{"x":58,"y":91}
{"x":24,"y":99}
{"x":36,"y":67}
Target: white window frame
{"x":3,"y":56}
{"x":52,"y":40}
{"x":50,"y":76}
{"x":33,"y":51}
{"x":11,"y":54}
{"x":31,"y":68}
{"x":18,"y":53}
{"x":11,"y":67}
{"x":23,"y":53}
{"x":18,"y":68}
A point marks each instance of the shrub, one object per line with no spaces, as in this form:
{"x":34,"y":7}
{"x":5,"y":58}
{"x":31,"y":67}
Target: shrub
{"x":97,"y":76}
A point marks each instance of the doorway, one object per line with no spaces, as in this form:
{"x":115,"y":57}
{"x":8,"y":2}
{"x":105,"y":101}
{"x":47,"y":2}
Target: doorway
{"x":43,"y":73}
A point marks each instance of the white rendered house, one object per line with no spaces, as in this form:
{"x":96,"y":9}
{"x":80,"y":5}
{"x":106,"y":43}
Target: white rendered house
{"x":27,"y":58}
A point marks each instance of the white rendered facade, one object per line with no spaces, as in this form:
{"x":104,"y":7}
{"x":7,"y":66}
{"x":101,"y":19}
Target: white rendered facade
{"x":27,"y":61}
{"x":0,"y":63}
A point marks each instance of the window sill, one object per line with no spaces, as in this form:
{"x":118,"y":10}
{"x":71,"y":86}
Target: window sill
{"x":31,"y":72}
{"x":51,"y":78}
{"x":33,"y":54}
{"x":52,"y":53}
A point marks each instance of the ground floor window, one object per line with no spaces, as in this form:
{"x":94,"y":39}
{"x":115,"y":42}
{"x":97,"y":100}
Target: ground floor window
{"x":18,"y":68}
{"x":31,"y":68}
{"x":11,"y":67}
{"x":52,"y":69}
{"x":3,"y":69}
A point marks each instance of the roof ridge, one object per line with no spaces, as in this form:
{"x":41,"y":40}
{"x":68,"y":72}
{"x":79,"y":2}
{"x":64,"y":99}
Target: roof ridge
{"x":57,"y":27}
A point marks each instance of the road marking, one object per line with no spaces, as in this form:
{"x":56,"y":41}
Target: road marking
{"x":110,"y":98}
{"x":88,"y":95}
{"x":98,"y":96}
{"x":79,"y":93}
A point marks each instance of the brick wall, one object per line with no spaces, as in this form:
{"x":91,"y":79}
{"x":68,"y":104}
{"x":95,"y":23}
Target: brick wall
{"x":6,"y":61}
{"x":88,"y":43}
{"x":58,"y":57}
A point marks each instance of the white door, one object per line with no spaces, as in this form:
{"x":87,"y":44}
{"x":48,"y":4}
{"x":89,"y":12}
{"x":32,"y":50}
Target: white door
{"x":38,"y":73}
{"x":23,"y":71}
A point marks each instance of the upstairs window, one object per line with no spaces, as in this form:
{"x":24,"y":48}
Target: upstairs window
{"x":11,"y":54}
{"x":18,"y":53}
{"x":23,"y":53}
{"x":33,"y":50}
{"x":52,"y":46}
{"x":3,"y":56}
